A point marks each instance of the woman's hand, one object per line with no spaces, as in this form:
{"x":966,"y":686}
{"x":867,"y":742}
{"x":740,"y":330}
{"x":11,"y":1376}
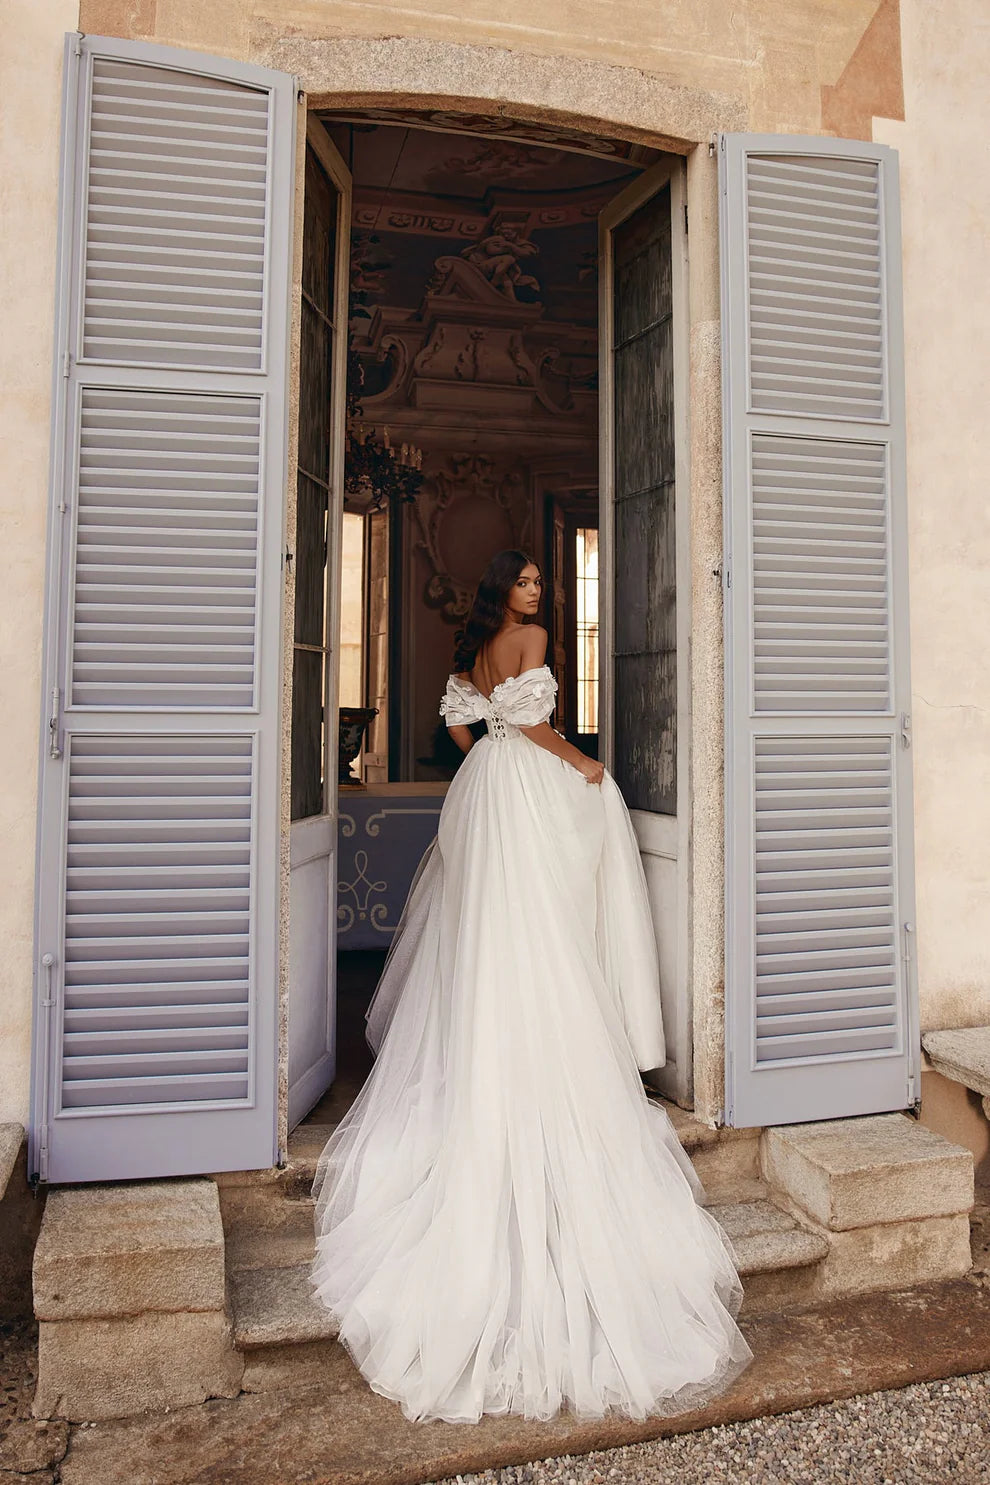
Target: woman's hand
{"x":593,"y":771}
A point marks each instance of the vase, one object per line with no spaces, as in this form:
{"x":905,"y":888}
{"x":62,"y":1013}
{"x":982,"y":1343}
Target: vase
{"x":352,"y":722}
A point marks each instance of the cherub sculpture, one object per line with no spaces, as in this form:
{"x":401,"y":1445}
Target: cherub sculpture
{"x":497,"y":258}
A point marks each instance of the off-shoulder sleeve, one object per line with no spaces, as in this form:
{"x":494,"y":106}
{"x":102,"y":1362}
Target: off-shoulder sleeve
{"x":528,"y":699}
{"x":460,"y":704}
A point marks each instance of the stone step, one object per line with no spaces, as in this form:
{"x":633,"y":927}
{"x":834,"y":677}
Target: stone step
{"x":277,"y":1307}
{"x":279,"y":1236}
{"x":727,"y":1160}
{"x":768,"y":1240}
{"x":274,"y":1306}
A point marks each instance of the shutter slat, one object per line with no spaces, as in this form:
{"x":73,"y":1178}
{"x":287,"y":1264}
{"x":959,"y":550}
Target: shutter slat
{"x":156,"y":125}
{"x":146,"y":952}
{"x":203,"y":1087}
{"x":795,"y":798}
{"x":150,"y":569}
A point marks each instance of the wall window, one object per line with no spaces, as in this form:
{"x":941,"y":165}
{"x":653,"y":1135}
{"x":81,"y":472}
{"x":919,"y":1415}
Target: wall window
{"x":352,"y":611}
{"x":586,"y":608}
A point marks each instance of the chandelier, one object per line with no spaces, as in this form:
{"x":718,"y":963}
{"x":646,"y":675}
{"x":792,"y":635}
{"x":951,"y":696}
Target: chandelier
{"x":376,"y":472}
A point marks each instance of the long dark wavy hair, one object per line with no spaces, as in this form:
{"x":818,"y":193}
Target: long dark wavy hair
{"x":488,"y":608}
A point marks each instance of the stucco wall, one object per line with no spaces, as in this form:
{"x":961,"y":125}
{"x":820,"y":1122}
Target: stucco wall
{"x":30,"y":83}
{"x":944,"y":147}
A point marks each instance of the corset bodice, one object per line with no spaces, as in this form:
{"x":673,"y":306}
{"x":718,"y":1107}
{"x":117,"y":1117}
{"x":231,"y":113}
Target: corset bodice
{"x":521,"y":701}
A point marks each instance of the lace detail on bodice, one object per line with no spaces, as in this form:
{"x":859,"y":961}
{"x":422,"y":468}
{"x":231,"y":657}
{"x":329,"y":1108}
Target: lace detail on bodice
{"x":521,"y":701}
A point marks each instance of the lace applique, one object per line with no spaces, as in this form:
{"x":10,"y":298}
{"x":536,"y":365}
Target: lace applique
{"x":520,"y":701}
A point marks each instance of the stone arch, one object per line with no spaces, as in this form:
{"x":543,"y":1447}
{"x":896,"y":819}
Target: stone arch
{"x":622,"y":102}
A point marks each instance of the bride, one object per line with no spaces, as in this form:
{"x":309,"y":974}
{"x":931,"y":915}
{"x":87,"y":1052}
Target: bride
{"x":505,"y":1223}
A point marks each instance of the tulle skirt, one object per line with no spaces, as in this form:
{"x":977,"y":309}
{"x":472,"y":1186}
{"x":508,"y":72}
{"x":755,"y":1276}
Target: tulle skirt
{"x":504,"y":1221}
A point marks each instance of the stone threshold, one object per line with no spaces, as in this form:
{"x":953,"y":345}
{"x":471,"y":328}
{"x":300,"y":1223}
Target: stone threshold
{"x":339,"y":1432}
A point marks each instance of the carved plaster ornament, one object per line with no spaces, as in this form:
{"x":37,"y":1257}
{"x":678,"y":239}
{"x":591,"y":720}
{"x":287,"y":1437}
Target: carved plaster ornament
{"x":464,"y":513}
{"x":498,"y":258}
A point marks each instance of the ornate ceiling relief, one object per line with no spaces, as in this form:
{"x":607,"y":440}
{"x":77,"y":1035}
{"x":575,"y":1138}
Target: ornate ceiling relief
{"x":479,"y":341}
{"x":474,"y":315}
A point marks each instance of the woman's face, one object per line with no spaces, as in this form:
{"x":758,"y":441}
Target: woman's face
{"x":523,"y":598}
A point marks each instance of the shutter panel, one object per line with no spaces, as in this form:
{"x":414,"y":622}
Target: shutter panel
{"x":158,"y":884}
{"x":821,"y":1006}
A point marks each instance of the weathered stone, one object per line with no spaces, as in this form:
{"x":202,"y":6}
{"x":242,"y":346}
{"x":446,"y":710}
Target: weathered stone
{"x":850,"y":1173}
{"x":96,"y":1369}
{"x":313,"y":1363}
{"x":356,"y":1437}
{"x":274,"y":1233}
{"x":894,"y":1255}
{"x":277,"y":1306}
{"x":31,"y":1444}
{"x":962,"y":1055}
{"x":768,"y":1240}
{"x":123,"y":1250}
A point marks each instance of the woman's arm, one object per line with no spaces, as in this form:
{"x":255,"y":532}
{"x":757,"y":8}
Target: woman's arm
{"x":462,"y":736}
{"x":534,"y":654}
{"x":545,"y":737}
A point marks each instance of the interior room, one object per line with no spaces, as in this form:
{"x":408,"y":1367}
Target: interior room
{"x":471,"y":426}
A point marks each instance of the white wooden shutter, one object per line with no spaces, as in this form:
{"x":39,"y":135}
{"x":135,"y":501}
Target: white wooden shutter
{"x":157,"y":962}
{"x":821,"y":1017}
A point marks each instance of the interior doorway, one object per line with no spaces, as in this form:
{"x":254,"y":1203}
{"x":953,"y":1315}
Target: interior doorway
{"x":455,"y":331}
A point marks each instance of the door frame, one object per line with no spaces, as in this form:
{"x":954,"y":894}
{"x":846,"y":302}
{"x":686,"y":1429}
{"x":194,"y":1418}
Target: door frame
{"x":315,"y":837}
{"x":664,"y":836}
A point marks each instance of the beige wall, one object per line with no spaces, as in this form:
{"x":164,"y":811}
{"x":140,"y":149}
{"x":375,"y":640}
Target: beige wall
{"x":774,"y":56}
{"x":669,"y":72}
{"x":30,"y":80}
{"x":945,"y":182}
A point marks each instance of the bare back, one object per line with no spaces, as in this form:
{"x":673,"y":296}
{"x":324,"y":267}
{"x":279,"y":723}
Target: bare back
{"x":506,"y":655}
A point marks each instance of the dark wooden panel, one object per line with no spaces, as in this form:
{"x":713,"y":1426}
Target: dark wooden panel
{"x":312,"y":490}
{"x":646,"y":738}
{"x":644,"y":412}
{"x":311,"y":562}
{"x":307,"y":734}
{"x":319,"y":231}
{"x":315,"y":349}
{"x":645,"y":693}
{"x":643,"y":274}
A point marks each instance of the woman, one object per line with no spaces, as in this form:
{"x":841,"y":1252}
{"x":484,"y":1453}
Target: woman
{"x":504,"y":1221}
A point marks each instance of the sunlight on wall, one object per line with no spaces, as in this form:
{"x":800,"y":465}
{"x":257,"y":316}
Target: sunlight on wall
{"x":587,"y":629}
{"x":352,"y":611}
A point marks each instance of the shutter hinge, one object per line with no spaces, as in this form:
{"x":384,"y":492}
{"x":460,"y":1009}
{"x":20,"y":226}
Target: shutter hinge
{"x":908,"y":931}
{"x":67,"y":364}
{"x":80,"y":38}
{"x":287,"y":558}
{"x":43,"y":1155}
{"x":54,"y":724}
{"x":48,"y":964}
{"x":713,"y":144}
{"x":905,"y":729}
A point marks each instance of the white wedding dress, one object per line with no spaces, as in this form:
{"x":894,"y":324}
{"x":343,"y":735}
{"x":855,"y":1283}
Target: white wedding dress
{"x":504,"y":1221}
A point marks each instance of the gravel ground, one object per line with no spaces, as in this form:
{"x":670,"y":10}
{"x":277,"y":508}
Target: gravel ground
{"x":932,"y":1433}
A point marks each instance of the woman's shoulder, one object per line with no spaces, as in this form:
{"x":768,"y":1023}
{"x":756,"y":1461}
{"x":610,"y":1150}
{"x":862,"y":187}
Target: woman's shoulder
{"x":532,"y":646}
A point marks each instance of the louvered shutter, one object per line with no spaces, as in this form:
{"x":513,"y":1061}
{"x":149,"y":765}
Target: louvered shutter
{"x":158,"y":885}
{"x":821,"y":1017}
